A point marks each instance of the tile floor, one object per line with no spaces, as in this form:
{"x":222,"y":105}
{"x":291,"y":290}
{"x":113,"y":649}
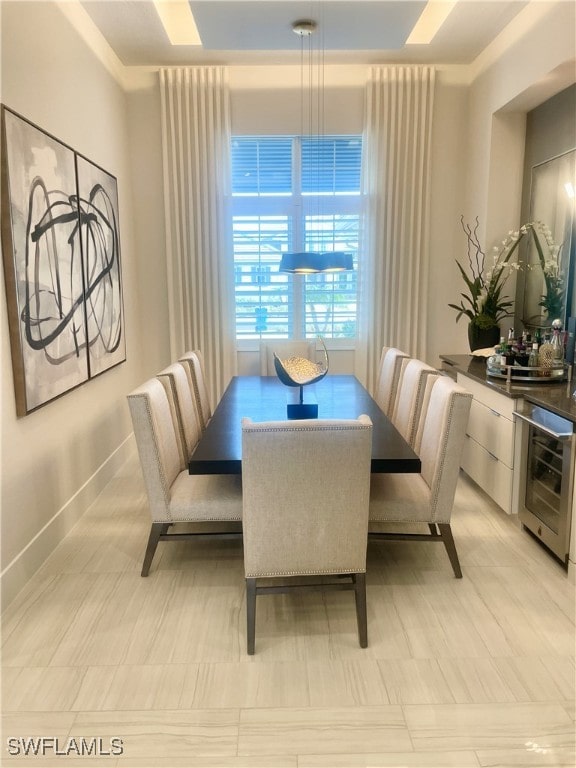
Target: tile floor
{"x":458,"y":673}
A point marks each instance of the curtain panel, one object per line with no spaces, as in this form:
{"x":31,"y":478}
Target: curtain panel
{"x":396,"y":187}
{"x":195,"y":114}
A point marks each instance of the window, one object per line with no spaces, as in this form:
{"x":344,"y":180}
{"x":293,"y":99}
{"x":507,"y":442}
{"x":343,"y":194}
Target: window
{"x":294,"y":194}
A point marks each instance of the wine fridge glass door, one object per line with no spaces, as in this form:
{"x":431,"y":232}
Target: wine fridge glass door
{"x":546,"y":488}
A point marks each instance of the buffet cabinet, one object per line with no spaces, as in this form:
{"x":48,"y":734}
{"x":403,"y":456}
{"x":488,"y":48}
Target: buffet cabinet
{"x":488,"y":455}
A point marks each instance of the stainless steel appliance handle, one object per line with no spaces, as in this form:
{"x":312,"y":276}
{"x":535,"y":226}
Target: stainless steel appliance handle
{"x":542,"y":428}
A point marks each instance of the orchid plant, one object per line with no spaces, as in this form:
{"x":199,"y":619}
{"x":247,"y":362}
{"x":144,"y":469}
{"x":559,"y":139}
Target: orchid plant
{"x":553,"y":300}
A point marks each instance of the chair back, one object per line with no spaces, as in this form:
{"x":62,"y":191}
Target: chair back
{"x":305,"y":487}
{"x":284,"y":349}
{"x":442,"y":441}
{"x":388,"y":376}
{"x":157,"y":444}
{"x":410,"y":396}
{"x":186,"y":417}
{"x":428,"y":384}
{"x":198,"y":383}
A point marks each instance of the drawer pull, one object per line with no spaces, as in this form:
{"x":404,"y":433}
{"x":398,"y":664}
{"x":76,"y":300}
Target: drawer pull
{"x":492,"y":455}
{"x":494,"y":412}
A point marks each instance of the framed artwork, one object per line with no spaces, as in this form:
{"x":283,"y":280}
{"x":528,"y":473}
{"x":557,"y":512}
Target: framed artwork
{"x":61,"y":263}
{"x":100,"y":242}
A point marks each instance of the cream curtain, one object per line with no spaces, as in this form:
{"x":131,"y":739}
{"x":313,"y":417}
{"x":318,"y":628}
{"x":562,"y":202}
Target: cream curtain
{"x":396,"y":185}
{"x":195,"y":146}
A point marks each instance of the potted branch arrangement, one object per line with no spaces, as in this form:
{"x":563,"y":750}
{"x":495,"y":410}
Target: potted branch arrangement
{"x":483,"y":304}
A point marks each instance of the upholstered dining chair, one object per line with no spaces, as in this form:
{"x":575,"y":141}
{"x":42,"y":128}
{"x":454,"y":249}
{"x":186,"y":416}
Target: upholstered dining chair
{"x":305,"y":508}
{"x":284,"y":349}
{"x":388,"y":376}
{"x":410,"y":394}
{"x":183,"y":407}
{"x":195,"y":369}
{"x":429,"y":496}
{"x":174,"y":496}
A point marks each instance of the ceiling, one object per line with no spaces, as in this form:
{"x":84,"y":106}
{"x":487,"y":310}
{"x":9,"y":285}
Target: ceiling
{"x":236,"y":32}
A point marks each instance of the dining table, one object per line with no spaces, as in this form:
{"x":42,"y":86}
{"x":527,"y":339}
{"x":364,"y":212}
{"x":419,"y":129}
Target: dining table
{"x":265,"y":398}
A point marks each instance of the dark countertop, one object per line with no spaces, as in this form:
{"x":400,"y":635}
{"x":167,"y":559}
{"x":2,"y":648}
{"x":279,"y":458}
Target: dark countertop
{"x":556,"y":397}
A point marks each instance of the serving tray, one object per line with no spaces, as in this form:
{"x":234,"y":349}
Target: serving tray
{"x":525,"y":373}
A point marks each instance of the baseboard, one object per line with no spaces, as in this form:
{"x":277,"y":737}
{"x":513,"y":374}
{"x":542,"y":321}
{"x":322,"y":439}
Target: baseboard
{"x":16,"y":575}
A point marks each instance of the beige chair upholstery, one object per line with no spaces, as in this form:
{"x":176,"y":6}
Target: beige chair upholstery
{"x":194,"y":363}
{"x":410,"y":397}
{"x":284,"y":349}
{"x":429,"y":496}
{"x":428,"y":387}
{"x":388,"y":376}
{"x":173,"y":495}
{"x":184,"y":409}
{"x":305,"y":506}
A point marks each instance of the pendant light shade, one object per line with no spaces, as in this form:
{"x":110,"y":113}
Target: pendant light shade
{"x":310,"y":262}
{"x":336,"y":261}
{"x":303,"y":263}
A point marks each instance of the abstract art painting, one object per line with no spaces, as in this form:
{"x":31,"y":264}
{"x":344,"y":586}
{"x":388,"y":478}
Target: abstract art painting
{"x":60,"y":245}
{"x":100,"y":241}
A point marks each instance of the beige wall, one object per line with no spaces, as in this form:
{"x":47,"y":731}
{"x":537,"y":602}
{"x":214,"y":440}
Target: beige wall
{"x":148,"y":222}
{"x":54,"y":460}
{"x":530,"y":62}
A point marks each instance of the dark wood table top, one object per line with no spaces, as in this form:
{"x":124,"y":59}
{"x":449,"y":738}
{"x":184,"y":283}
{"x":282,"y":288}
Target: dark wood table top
{"x":264,"y":398}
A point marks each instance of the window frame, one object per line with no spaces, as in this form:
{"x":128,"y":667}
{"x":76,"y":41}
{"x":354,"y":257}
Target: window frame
{"x":297,"y":206}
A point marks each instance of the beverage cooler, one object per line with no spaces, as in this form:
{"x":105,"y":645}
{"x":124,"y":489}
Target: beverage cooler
{"x":546,"y":477}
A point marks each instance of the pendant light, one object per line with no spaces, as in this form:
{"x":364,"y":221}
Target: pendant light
{"x":310,"y":262}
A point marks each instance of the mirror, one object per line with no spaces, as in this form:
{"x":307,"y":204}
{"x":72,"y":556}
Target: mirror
{"x":553,"y":202}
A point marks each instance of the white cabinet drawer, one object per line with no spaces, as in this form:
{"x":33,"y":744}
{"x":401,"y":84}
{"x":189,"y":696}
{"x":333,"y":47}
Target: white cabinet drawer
{"x":488,"y":396}
{"x":493,"y":431}
{"x":492,"y":475}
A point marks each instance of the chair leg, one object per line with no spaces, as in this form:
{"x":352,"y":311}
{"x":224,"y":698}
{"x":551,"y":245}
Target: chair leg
{"x":157,"y":530}
{"x":250,"y":615}
{"x":448,"y":539}
{"x":361,"y":616}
